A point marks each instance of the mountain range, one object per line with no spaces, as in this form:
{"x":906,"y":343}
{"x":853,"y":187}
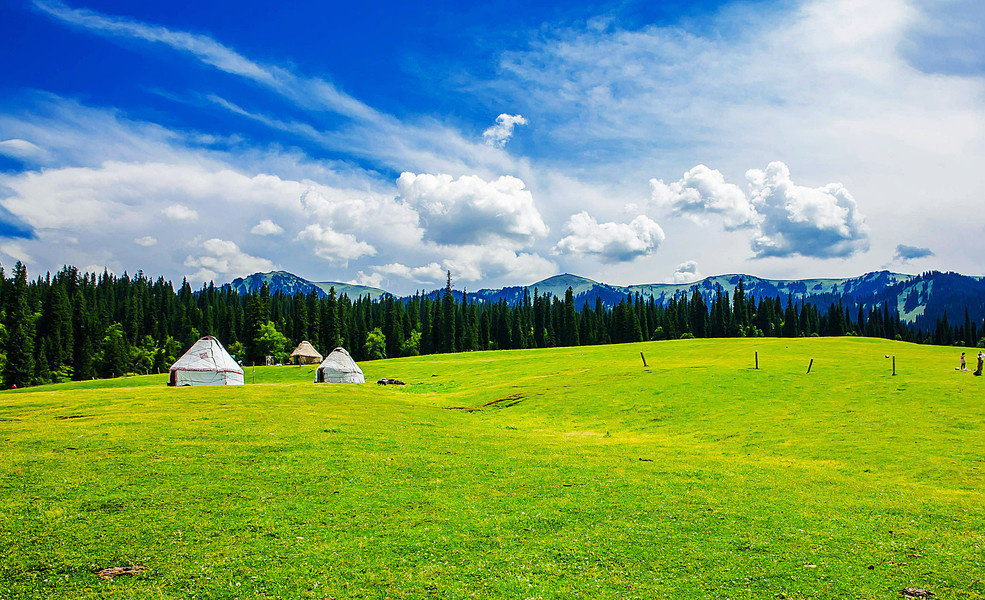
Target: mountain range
{"x":919,"y":299}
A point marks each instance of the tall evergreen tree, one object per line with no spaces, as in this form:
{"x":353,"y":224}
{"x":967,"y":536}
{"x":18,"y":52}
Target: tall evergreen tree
{"x":19,"y":368}
{"x":448,"y":318}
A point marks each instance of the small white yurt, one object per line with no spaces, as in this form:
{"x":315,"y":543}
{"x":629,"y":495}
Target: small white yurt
{"x":338,"y":367}
{"x":206,"y":363}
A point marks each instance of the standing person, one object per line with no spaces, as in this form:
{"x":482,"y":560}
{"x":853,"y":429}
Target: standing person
{"x":981,"y":359}
{"x":963,"y":367}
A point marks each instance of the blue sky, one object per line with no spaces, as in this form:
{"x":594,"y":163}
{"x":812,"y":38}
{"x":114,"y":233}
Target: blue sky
{"x":627,"y":142}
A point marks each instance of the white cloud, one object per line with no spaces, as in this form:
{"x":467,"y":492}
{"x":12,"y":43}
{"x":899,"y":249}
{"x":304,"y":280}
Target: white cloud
{"x":180,"y":212}
{"x":371,"y":279}
{"x":687,"y":272}
{"x":612,"y":242}
{"x":75,"y":198}
{"x":701,"y":192}
{"x":146,"y":241}
{"x":98,"y":269}
{"x":368,"y":132}
{"x":838,"y":89}
{"x":352,"y":211}
{"x":16,"y":251}
{"x":502,"y":131}
{"x":215,"y":54}
{"x":267,"y":227}
{"x":222,"y":257}
{"x":334,"y":246}
{"x":495,"y":261}
{"x":470,"y":209}
{"x":429,"y":273}
{"x":821,"y":222}
{"x":21,"y":149}
{"x":471,"y":263}
{"x":788,"y":219}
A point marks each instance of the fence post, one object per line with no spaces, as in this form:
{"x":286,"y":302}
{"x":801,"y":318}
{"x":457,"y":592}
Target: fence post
{"x":810,"y":365}
{"x":757,"y":360}
{"x":644,"y":359}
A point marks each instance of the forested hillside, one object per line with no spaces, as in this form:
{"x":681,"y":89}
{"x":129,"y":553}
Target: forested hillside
{"x":75,"y":325}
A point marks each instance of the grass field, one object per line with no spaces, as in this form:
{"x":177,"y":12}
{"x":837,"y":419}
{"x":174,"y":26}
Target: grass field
{"x":561,"y":473}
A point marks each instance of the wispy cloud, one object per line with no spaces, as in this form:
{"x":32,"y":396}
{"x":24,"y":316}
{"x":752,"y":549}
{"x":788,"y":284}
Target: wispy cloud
{"x":313,"y":93}
{"x":428,"y":145}
{"x":22,"y":149}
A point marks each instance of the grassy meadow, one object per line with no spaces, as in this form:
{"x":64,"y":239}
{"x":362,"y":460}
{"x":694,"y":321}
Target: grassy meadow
{"x":556,"y":473}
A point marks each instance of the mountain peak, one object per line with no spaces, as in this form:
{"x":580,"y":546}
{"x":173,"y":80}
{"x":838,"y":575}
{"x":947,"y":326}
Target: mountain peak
{"x":563,"y":279}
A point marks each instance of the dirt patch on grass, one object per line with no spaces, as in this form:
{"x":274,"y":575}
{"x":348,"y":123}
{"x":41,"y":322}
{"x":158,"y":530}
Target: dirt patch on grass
{"x":511,"y":400}
{"x":111,"y":572}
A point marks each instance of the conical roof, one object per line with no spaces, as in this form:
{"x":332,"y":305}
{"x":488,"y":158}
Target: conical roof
{"x":306,"y":350}
{"x":207,"y":354}
{"x":339,"y":361}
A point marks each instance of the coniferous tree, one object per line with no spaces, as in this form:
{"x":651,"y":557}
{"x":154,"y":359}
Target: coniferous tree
{"x":448,"y":319}
{"x":570,"y":319}
{"x":19,"y":367}
{"x":790,"y":320}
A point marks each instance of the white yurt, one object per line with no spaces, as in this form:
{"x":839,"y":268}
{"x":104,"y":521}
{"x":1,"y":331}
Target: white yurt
{"x":305,"y":354}
{"x":206,"y":363}
{"x":338,"y":367}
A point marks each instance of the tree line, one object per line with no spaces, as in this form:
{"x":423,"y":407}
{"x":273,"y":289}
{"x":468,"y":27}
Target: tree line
{"x":79,"y":326}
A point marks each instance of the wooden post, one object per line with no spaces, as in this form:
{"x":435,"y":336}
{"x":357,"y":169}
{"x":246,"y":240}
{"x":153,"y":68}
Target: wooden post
{"x":757,"y":360}
{"x":810,"y":365}
{"x":894,"y":364}
{"x":644,"y":358}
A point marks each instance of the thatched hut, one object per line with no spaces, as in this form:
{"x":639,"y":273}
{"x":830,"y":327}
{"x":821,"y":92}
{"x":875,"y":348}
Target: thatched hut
{"x":305,"y":354}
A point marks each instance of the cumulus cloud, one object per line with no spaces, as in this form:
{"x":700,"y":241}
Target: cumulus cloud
{"x":145,"y":241}
{"x":493,"y":261}
{"x":469,"y":263}
{"x":180,"y":212}
{"x":362,"y":212}
{"x":428,"y":273}
{"x":334,"y":246}
{"x":821,"y":222}
{"x":267,"y":227}
{"x":502,"y":131}
{"x":687,"y":272}
{"x":612,"y":242}
{"x":470,"y":209}
{"x":905,"y":253}
{"x":787,"y":219}
{"x":222,"y":257}
{"x":367,"y":279}
{"x":21,"y":149}
{"x":702,"y":192}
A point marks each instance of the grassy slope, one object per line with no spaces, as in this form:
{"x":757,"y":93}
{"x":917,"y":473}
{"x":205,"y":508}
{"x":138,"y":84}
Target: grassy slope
{"x":696,"y":477}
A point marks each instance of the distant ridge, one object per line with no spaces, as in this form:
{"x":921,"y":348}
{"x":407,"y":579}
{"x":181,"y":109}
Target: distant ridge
{"x":290,"y":284}
{"x":919,"y":299}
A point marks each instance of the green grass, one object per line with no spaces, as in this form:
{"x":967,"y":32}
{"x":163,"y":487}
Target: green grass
{"x":593,"y":477}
